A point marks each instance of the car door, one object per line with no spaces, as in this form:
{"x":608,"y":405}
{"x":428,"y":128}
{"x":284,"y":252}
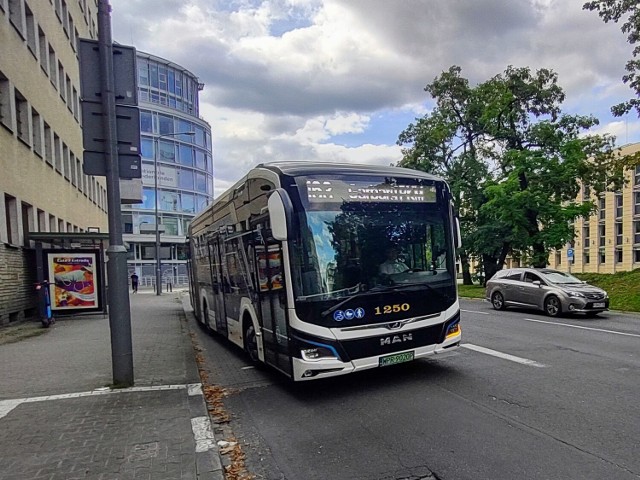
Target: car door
{"x":511,"y":287}
{"x":531,"y":293}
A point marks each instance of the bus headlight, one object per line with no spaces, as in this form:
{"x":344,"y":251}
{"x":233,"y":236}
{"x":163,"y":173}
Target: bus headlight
{"x":318,"y":353}
{"x":453,"y":330}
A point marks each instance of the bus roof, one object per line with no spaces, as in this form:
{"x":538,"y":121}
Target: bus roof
{"x":314,"y":168}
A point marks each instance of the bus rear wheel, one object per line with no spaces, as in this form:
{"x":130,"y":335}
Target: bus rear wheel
{"x":250,"y":341}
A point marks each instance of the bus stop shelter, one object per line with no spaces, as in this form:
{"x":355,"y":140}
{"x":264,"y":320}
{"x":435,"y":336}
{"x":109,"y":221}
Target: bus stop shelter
{"x":73,"y":264}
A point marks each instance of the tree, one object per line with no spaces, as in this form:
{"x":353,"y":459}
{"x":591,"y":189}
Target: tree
{"x":629,"y":12}
{"x":514,"y":161}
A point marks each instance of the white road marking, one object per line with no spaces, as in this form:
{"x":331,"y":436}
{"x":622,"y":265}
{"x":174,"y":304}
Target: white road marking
{"x":194,"y":389}
{"x":505,"y":356}
{"x":7,"y":405}
{"x":473,"y":311}
{"x":201,"y":427}
{"x":584,"y":328}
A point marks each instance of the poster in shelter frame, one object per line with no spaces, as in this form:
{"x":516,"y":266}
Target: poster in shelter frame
{"x":74,"y":280}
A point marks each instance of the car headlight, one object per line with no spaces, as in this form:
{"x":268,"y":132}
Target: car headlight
{"x":575,"y":294}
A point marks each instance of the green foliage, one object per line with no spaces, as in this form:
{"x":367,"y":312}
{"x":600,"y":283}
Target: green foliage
{"x":514,"y":161}
{"x":471,"y":291}
{"x":623,"y":288}
{"x":627,"y":11}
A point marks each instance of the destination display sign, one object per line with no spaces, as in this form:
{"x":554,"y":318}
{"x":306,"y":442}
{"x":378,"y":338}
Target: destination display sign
{"x":323,"y":191}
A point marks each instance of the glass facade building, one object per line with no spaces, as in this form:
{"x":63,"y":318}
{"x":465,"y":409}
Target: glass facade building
{"x":176,"y":141}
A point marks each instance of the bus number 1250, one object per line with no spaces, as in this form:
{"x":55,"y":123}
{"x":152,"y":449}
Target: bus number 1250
{"x":395,"y":308}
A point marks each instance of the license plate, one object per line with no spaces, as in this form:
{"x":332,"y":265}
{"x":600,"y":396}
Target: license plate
{"x":598,"y":305}
{"x":396,"y":358}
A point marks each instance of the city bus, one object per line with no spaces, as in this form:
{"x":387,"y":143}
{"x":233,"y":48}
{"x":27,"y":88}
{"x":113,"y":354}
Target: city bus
{"x":293,"y":264}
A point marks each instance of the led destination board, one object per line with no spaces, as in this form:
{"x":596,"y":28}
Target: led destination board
{"x":363,"y":191}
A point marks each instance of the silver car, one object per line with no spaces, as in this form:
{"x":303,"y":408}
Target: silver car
{"x":549,"y":290}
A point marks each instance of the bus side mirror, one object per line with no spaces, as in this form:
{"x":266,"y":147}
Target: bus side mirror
{"x":458,"y":236}
{"x":280,"y":214}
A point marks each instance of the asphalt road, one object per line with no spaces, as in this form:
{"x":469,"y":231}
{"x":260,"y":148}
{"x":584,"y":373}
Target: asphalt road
{"x":527,"y":397}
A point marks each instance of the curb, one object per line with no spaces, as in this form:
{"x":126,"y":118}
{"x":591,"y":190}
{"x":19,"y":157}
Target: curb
{"x":208,"y":460}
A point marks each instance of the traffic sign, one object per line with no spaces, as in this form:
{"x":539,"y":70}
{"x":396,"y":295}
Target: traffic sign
{"x":570,"y":253}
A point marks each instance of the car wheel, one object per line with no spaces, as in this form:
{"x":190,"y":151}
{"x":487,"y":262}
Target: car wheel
{"x":250,"y":342}
{"x":552,"y":306}
{"x":497,"y":300}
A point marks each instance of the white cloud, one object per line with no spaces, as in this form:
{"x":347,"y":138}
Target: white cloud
{"x":285,"y":79}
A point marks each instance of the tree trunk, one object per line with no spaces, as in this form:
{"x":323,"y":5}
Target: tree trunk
{"x":466,"y":274}
{"x":540,"y":256}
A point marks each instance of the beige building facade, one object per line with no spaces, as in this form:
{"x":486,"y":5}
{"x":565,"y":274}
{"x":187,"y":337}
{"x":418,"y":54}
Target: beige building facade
{"x":42,"y":185}
{"x":609,"y":240}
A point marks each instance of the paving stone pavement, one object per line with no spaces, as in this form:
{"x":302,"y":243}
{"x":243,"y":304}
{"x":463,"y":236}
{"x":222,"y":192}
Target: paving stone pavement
{"x":58,"y":421}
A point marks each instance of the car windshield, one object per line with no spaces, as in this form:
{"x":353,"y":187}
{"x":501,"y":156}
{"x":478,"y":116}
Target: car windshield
{"x":560,"y":277}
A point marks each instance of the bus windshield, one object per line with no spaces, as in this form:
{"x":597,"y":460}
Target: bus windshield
{"x":362,"y":250}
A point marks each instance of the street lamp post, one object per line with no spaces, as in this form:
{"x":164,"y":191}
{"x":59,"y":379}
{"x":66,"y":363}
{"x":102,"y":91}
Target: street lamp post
{"x":157,"y":217}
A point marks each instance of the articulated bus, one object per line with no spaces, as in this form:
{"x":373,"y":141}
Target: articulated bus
{"x":320,"y":270}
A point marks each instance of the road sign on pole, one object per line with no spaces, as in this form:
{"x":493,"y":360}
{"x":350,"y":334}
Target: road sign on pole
{"x":570,"y":253}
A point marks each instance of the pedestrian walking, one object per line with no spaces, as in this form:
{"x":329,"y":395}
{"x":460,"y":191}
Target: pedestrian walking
{"x":134,"y":282}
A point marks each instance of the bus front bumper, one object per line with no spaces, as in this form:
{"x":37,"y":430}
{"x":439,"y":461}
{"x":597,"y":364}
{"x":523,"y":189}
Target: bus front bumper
{"x":332,"y":367}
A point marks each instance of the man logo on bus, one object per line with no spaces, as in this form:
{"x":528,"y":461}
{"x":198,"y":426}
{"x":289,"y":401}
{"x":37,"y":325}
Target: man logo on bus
{"x":406,"y":337}
{"x":359,"y":312}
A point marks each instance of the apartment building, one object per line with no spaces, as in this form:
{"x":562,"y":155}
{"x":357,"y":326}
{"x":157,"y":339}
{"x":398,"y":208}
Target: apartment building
{"x":609,"y":240}
{"x":42,"y":185}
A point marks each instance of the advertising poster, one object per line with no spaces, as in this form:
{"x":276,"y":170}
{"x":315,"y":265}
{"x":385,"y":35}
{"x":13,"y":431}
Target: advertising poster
{"x":74,"y":280}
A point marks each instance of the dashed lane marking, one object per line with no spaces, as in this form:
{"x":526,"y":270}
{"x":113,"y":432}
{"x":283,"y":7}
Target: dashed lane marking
{"x":504,"y":356}
{"x":473,"y":311}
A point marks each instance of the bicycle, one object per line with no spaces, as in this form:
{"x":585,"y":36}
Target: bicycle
{"x":46,"y":317}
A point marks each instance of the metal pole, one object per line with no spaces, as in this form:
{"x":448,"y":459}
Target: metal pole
{"x":118,"y":288}
{"x":158,"y":266}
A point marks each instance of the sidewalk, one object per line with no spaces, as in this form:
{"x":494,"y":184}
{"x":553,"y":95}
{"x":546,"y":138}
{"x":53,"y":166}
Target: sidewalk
{"x":59,"y":421}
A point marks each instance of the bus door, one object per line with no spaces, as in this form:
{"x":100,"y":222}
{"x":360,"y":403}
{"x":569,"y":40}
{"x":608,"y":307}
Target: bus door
{"x":218,"y":285}
{"x":272,"y":301}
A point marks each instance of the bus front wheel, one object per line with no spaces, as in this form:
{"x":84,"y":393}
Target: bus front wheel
{"x":250,"y":341}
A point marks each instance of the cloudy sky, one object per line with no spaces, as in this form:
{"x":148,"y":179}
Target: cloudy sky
{"x":338,"y":80}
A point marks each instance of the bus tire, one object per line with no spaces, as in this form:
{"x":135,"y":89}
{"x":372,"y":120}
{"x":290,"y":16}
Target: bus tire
{"x":250,"y":340}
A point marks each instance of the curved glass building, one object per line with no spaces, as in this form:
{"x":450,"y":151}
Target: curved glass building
{"x":176,"y":140}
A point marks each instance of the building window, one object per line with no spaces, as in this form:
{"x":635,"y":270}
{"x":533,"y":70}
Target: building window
{"x":36,"y":132}
{"x":52,"y":67}
{"x":28,"y":222}
{"x":68,"y":85}
{"x":52,"y":223}
{"x":585,"y":258}
{"x":601,"y":235}
{"x":636,"y":255}
{"x":65,"y":161}
{"x":603,"y":257}
{"x":48,"y":150}
{"x":11,"y":218}
{"x":61,"y":226}
{"x":636,"y":232}
{"x":44,"y":51}
{"x":74,"y":171}
{"x":31,"y":25}
{"x":602,"y":205}
{"x":585,"y":235}
{"x":636,"y":210}
{"x":57,"y":153}
{"x":558,"y":258}
{"x":16,"y":15}
{"x":637,"y":176}
{"x":618,"y":233}
{"x":5,"y":102}
{"x":619,"y":205}
{"x":61,"y":84}
{"x":42,"y":221}
{"x":22,"y":118}
{"x":619,"y":255}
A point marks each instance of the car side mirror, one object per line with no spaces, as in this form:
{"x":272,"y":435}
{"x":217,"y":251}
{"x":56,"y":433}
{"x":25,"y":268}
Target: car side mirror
{"x":537,"y":283}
